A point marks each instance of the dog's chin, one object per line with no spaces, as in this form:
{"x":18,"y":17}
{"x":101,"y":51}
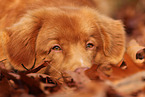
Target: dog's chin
{"x":64,"y":74}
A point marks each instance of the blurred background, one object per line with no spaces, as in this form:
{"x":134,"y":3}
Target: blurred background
{"x":132,"y":13}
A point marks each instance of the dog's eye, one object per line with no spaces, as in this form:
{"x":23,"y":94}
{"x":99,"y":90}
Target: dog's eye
{"x":56,"y":48}
{"x":90,"y":45}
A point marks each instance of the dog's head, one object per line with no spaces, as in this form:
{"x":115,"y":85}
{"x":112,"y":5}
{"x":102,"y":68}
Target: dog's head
{"x":69,"y":38}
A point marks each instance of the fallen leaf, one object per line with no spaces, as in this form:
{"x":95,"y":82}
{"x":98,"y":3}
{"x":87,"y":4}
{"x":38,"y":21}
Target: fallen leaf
{"x":136,"y":52}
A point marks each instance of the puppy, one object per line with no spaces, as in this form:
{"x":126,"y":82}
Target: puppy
{"x":68,"y":33}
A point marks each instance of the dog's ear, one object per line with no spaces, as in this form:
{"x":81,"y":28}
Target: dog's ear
{"x":113,"y":39}
{"x":21,"y":43}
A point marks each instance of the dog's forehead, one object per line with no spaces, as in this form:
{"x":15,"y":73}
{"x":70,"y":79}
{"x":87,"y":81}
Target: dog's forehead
{"x":73,"y":27}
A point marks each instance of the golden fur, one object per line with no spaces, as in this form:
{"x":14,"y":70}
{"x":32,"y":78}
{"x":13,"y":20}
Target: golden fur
{"x":30,"y":30}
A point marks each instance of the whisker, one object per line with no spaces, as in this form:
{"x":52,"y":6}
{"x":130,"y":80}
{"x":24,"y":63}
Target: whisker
{"x":54,"y":69}
{"x":43,"y":59}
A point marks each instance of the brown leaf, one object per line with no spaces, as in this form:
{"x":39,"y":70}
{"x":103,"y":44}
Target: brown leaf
{"x":131,"y":84}
{"x":5,"y":88}
{"x":44,"y":64}
{"x":32,"y":84}
{"x":136,"y":52}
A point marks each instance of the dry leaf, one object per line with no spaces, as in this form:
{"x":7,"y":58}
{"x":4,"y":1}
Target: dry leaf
{"x":131,"y":84}
{"x":133,"y":49}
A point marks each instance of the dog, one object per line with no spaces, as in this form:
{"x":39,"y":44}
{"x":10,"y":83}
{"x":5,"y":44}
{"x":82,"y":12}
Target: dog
{"x":68,"y":33}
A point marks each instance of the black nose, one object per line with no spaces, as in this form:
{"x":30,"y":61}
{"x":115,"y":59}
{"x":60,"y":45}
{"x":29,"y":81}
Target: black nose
{"x":81,"y":69}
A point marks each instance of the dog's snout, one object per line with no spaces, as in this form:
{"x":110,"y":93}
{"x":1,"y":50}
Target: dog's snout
{"x":80,"y":69}
{"x":80,"y":65}
{"x":79,"y":60}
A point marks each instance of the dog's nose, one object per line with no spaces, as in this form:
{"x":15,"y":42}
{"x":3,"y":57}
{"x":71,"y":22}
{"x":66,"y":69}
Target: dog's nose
{"x":80,"y":69}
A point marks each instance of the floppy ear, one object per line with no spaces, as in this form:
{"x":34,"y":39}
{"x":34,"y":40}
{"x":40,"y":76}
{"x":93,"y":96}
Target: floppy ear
{"x":21,"y":43}
{"x":113,"y":38}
